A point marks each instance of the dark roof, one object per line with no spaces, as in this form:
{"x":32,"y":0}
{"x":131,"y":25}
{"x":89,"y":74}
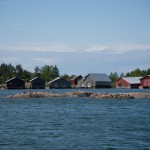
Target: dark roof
{"x":35,"y":79}
{"x":81,"y":80}
{"x":74,"y":77}
{"x":100,"y":77}
{"x":55,"y":79}
{"x":58,"y":79}
{"x":13,"y":79}
{"x":145,"y":77}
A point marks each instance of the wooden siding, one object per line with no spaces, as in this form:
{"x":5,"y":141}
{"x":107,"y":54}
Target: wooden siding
{"x":100,"y":84}
{"x":80,"y":83}
{"x":74,"y":82}
{"x":97,"y":81}
{"x":89,"y":82}
{"x":16,"y":83}
{"x":60,"y":83}
{"x":37,"y":83}
{"x":145,"y":82}
{"x":121,"y":83}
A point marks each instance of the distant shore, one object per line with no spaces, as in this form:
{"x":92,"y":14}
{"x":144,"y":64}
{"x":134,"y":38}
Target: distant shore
{"x":104,"y":95}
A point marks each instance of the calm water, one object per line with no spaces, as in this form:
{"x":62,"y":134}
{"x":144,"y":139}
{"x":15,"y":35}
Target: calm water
{"x":73,"y":123}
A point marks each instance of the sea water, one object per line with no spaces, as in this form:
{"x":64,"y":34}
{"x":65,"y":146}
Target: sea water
{"x":74,"y":123}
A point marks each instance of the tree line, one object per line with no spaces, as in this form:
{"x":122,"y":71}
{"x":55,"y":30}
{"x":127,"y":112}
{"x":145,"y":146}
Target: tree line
{"x":8,"y":71}
{"x":135,"y":73}
{"x":50,"y":72}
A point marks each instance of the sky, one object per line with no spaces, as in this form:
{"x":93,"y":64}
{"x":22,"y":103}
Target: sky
{"x":79,"y":36}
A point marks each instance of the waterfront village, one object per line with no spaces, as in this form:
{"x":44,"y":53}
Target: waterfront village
{"x":92,"y":80}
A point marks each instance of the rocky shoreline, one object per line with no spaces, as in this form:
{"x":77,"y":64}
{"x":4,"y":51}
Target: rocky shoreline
{"x":106,"y":95}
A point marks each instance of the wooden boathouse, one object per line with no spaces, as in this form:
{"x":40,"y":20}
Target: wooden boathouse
{"x":128,"y":82}
{"x":15,"y":83}
{"x":97,"y":80}
{"x":59,"y":83}
{"x":145,"y":82}
{"x":74,"y":81}
{"x":37,"y":83}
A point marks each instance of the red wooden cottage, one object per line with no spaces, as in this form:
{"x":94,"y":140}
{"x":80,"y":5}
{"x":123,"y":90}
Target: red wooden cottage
{"x":128,"y":82}
{"x":74,"y":81}
{"x":145,"y":82}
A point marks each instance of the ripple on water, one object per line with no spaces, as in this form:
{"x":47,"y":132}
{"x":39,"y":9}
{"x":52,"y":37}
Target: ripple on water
{"x":74,"y":123}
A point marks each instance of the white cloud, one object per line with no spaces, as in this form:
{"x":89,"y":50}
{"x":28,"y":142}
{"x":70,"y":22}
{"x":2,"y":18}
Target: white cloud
{"x":43,"y":60}
{"x":83,"y":62}
{"x":116,"y":48}
{"x":125,"y":47}
{"x":58,"y":47}
{"x":97,"y":48}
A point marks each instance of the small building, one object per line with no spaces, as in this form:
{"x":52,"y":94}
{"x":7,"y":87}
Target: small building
{"x":15,"y":83}
{"x":80,"y":83}
{"x":97,"y":80}
{"x":128,"y":82}
{"x":145,"y":82}
{"x":59,"y":83}
{"x":37,"y":83}
{"x":74,"y":81}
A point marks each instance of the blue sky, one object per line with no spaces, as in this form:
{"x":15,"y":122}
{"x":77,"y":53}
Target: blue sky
{"x":79,"y":36}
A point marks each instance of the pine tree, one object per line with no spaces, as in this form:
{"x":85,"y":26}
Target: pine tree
{"x":55,"y":72}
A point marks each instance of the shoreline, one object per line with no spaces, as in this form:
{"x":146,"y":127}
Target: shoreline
{"x":105,"y":95}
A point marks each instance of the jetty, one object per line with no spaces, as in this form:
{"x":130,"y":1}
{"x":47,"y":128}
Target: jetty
{"x":105,"y":95}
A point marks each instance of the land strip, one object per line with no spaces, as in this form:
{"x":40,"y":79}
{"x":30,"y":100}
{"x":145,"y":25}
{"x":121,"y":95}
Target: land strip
{"x":105,"y":95}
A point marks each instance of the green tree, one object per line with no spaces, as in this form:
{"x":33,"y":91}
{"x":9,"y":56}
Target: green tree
{"x":19,"y":71}
{"x":121,"y":75}
{"x":6,"y":72}
{"x":148,"y":71}
{"x":12,"y":71}
{"x":113,"y":77}
{"x":66,"y":77}
{"x":55,"y":72}
{"x":37,"y":71}
{"x":3,"y":73}
{"x":135,"y":73}
{"x":26,"y":75}
{"x":46,"y":73}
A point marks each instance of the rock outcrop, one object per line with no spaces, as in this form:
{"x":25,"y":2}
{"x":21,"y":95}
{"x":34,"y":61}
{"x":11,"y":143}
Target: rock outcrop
{"x":112,"y":95}
{"x":81,"y":94}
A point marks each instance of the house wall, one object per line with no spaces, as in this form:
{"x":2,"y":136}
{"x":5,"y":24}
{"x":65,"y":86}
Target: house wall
{"x":135,"y":86}
{"x":80,"y":84}
{"x":103,"y":84}
{"x":38,"y":84}
{"x":145,"y":82}
{"x":16,"y":84}
{"x":122,"y":84}
{"x":89,"y":82}
{"x":60,"y":83}
{"x":74,"y":83}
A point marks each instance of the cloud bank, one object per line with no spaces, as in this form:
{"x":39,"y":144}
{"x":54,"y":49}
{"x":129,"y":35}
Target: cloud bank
{"x":64,"y":48}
